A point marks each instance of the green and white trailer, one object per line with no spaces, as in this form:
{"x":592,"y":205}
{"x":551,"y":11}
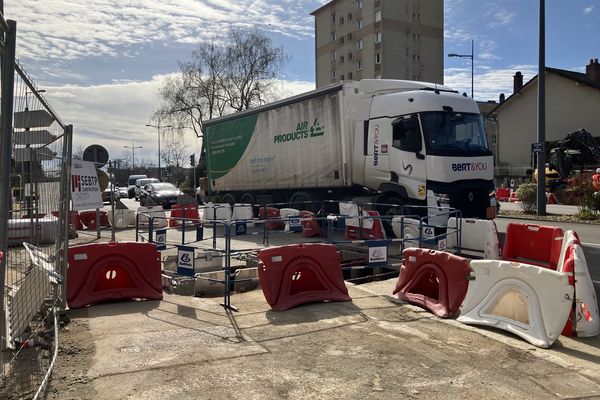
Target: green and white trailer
{"x":400,"y":142}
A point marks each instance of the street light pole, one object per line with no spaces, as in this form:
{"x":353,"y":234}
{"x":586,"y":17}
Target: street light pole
{"x":158,"y":131}
{"x":472,"y":57}
{"x":133,"y":147}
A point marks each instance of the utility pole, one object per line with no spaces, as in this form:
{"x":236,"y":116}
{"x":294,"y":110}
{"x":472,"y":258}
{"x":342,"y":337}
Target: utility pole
{"x":158,"y":131}
{"x":541,"y":134}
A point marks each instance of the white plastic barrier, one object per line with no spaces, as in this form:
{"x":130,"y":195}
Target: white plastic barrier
{"x":44,"y":230}
{"x":243,"y":212}
{"x":350,"y":210}
{"x":291,"y":225}
{"x":204,"y":261}
{"x":531,"y":302}
{"x":123,"y":218}
{"x":156,"y":212}
{"x":478,"y":237}
{"x":411,"y":228}
{"x":217,"y":211}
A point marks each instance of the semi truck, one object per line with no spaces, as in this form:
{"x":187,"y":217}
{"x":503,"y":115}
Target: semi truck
{"x":393,"y":141}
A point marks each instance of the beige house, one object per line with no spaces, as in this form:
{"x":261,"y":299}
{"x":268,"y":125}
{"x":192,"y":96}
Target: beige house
{"x":389,"y":39}
{"x":572,"y":103}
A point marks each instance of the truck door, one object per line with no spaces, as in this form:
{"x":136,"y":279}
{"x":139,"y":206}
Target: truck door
{"x":407,"y":158}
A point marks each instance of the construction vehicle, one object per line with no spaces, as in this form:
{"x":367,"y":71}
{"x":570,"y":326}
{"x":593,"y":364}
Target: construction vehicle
{"x":396,"y":142}
{"x":576,"y":151}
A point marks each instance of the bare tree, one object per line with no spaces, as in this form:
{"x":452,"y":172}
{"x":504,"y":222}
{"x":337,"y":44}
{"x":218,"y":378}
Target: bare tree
{"x":220,"y":79}
{"x":174,"y":156}
{"x":78,"y":153}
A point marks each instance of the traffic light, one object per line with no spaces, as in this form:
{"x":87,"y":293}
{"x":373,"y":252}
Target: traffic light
{"x":193,"y":160}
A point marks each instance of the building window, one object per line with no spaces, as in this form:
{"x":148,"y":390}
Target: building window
{"x":359,"y":24}
{"x":416,"y":17}
{"x":377,"y":15}
{"x":416,"y":58}
{"x":377,"y":58}
{"x":333,"y":37}
{"x":359,"y":44}
{"x":341,"y":40}
{"x":416,"y":38}
{"x":349,"y":36}
{"x":377,"y":37}
{"x":349,"y":75}
{"x":350,"y":17}
{"x":332,"y":18}
{"x":342,"y":77}
{"x":341,"y":59}
{"x":359,"y":65}
{"x":416,"y":77}
{"x":341,"y":20}
{"x":349,"y":56}
{"x":333,"y":74}
{"x":333,"y":55}
{"x":359,"y":4}
{"x":378,"y":76}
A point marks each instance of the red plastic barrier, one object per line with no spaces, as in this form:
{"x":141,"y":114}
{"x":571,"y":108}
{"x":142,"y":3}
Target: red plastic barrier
{"x":551,"y":198}
{"x":533,"y":244}
{"x":513,"y":197}
{"x":502,"y":194}
{"x":100,"y":272}
{"x":302,"y":273}
{"x":372,"y":227}
{"x":310,"y":225}
{"x":569,"y":266}
{"x":434,"y":280}
{"x":176,"y":214}
{"x":272,"y":213}
{"x":88,"y":218}
{"x":74,"y":219}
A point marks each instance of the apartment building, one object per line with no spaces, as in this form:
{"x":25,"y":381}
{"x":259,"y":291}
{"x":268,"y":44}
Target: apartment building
{"x":385,"y":39}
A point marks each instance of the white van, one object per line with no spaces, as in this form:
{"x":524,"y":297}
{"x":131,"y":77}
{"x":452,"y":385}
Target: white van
{"x":131,"y":184}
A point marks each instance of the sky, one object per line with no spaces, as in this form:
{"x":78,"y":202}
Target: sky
{"x":102,"y":62}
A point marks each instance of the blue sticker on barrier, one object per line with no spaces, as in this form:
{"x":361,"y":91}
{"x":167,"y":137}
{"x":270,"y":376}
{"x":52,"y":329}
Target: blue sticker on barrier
{"x":241,"y":228}
{"x":185,"y":260}
{"x":295,"y":225}
{"x":161,"y":239}
{"x":378,"y":252}
{"x":199,"y":233}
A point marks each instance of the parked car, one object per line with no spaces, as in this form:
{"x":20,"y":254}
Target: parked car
{"x":160,"y":193}
{"x":131,"y":184}
{"x":106,"y":194}
{"x":140,"y":183}
{"x":122,"y":192}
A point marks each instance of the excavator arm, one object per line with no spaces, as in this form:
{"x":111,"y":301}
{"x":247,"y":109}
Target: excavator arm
{"x":580,"y":140}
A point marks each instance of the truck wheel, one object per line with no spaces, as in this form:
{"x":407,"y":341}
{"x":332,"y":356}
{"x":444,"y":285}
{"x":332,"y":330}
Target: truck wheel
{"x":300,"y":201}
{"x":392,"y":206}
{"x":247,"y":198}
{"x":228,"y":198}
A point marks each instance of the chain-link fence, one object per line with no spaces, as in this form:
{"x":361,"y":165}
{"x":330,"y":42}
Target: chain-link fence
{"x":35,"y":156}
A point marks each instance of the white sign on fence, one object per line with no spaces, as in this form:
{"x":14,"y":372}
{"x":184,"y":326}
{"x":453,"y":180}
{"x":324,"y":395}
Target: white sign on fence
{"x":85,"y":188}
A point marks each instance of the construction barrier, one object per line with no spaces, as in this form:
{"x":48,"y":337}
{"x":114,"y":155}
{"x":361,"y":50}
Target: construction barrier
{"x":101,"y":272}
{"x":533,"y":244}
{"x":369,"y":227}
{"x":584,"y":320}
{"x":406,"y":228}
{"x":478,"y":237}
{"x":38,"y":230}
{"x":291,"y":217}
{"x":297,"y":274}
{"x":156,"y":213}
{"x":310,"y":224}
{"x":529,"y":301}
{"x":502,"y":194}
{"x":269,"y":214}
{"x":123,"y":218}
{"x":187,"y":212}
{"x":88,"y":218}
{"x":243,"y":212}
{"x":434,"y":280}
{"x":217,"y":211}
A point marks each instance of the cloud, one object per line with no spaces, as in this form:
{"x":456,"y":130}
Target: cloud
{"x":114,"y":115}
{"x":488,"y":82}
{"x":588,"y":10}
{"x":68,"y":30}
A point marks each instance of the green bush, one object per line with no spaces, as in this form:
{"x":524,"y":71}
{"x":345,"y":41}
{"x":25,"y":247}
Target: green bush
{"x":527,"y":195}
{"x":590,"y":202}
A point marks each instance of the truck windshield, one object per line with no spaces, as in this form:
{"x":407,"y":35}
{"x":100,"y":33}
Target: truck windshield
{"x":454,"y":133}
